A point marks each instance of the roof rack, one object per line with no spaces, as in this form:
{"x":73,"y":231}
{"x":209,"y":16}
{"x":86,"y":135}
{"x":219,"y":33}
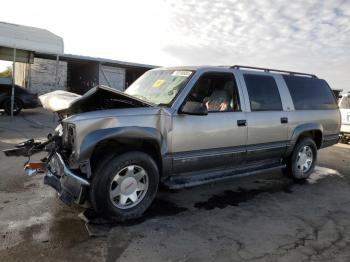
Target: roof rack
{"x":272,"y":70}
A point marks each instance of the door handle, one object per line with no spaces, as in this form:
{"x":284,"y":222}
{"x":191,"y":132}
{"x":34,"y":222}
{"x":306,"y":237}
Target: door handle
{"x":242,"y":122}
{"x":284,"y":120}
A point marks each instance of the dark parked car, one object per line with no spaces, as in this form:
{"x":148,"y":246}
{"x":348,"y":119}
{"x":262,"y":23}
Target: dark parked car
{"x":23,"y":99}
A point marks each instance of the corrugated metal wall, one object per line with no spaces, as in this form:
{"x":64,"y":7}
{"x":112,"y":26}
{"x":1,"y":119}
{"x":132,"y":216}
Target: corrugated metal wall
{"x":112,"y":76}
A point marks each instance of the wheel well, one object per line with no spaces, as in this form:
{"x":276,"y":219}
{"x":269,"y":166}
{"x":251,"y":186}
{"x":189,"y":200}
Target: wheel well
{"x":110,"y":147}
{"x":316,"y":135}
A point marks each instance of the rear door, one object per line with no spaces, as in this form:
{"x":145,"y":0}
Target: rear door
{"x":267,"y":119}
{"x":5,"y":92}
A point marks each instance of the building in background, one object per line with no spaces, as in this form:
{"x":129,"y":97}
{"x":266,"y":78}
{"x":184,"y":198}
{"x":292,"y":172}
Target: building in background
{"x":76,"y":74}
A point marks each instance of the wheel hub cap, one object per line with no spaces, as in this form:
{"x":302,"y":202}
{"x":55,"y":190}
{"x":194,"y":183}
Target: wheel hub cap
{"x":305,"y":159}
{"x":129,"y":186}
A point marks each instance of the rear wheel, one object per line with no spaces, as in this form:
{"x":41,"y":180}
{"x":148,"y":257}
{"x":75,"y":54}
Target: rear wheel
{"x":17,"y":106}
{"x":344,"y":139}
{"x":302,"y":161}
{"x":124,"y":186}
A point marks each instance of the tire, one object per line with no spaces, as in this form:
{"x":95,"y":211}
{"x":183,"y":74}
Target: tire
{"x":344,"y":140}
{"x":17,"y":106}
{"x":306,"y":147}
{"x":116,"y":179}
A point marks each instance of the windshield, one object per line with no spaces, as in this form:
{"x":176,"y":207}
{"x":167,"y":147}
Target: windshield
{"x":159,"y":86}
{"x":345,"y":102}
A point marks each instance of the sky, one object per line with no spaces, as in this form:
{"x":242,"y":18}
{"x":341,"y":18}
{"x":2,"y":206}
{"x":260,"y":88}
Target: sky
{"x":309,"y":36}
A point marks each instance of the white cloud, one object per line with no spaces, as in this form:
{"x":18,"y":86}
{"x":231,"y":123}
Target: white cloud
{"x":311,"y":36}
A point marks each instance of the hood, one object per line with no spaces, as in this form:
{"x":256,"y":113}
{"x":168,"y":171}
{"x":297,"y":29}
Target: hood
{"x":58,"y":100}
{"x":97,"y":98}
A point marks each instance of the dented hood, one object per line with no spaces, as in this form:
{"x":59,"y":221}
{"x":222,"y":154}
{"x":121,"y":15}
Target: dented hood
{"x":58,"y":100}
{"x":97,"y":98}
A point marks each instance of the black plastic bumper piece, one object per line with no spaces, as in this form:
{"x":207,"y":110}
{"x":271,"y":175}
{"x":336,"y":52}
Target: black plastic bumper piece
{"x":63,"y":194}
{"x":53,"y":181}
{"x":26,"y":148}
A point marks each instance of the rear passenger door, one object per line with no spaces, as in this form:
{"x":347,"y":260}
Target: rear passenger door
{"x":267,"y":120}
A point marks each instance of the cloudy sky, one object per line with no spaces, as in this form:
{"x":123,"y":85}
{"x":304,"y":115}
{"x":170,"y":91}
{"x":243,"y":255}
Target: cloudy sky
{"x":310,"y":36}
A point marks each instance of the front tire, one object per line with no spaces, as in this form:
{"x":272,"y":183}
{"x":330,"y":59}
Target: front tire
{"x":301,"y":163}
{"x":123,"y":187}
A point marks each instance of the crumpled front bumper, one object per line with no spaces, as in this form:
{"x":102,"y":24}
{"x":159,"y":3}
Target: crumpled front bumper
{"x":70,"y":186}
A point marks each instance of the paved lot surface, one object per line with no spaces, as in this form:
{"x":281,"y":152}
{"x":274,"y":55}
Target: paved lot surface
{"x":262,"y":218}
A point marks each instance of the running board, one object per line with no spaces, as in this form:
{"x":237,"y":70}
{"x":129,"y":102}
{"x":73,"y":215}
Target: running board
{"x":183,"y":181}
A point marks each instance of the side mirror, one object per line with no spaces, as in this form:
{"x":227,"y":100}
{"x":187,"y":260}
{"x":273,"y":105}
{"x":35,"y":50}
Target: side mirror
{"x":194,"y":108}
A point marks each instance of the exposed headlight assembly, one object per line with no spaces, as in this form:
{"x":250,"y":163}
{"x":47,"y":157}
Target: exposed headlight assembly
{"x":69,"y":135}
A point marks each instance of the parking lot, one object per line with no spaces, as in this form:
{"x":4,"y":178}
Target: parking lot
{"x":266,"y":217}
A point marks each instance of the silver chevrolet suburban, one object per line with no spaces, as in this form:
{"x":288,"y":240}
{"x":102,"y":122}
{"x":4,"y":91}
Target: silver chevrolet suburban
{"x":182,"y":127}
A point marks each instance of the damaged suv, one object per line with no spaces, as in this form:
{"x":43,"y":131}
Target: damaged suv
{"x":182,"y":127}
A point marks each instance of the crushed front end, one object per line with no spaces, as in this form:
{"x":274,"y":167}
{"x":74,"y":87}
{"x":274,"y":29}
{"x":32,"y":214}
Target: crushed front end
{"x":65,"y":170}
{"x":71,"y":184}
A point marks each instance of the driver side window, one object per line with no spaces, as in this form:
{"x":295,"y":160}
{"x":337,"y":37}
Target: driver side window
{"x":217,"y":91}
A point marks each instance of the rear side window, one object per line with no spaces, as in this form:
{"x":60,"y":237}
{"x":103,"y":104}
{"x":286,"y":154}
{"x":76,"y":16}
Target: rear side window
{"x":310,"y":93}
{"x":345,"y":102}
{"x":263,"y":93}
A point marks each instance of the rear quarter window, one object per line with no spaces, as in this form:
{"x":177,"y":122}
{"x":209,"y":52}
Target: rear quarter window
{"x":5,"y":88}
{"x":310,"y":93}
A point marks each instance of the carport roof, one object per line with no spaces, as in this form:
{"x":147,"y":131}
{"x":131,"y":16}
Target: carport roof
{"x":30,"y":39}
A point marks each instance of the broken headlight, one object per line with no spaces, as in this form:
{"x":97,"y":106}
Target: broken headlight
{"x":56,"y":166}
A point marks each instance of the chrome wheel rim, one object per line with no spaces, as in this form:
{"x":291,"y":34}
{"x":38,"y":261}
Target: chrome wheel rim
{"x":305,"y":159}
{"x":129,"y":186}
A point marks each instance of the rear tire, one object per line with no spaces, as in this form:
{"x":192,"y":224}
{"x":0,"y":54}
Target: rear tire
{"x":17,"y":106}
{"x":344,"y":140}
{"x":301,"y":163}
{"x":123,"y":187}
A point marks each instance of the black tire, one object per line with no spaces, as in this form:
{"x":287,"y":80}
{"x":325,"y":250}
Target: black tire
{"x":344,"y":140}
{"x":17,"y":106}
{"x":102,"y":181}
{"x":293,"y":169}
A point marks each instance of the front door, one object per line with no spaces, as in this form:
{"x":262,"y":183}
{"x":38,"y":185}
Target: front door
{"x":216,"y":140}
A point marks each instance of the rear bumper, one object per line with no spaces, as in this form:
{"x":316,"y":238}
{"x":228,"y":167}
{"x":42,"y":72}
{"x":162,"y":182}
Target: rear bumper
{"x":345,"y":129}
{"x":70,"y":186}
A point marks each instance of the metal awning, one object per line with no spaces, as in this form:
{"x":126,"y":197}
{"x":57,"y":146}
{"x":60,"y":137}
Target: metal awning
{"x":24,"y":41}
{"x":30,"y":39}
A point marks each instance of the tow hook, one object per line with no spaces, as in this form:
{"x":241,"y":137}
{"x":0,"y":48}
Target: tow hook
{"x":34,"y":168}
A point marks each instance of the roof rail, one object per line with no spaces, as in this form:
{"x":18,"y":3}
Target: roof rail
{"x":272,"y":70}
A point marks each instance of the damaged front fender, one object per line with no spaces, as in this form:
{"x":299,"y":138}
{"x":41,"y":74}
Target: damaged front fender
{"x":120,"y":133}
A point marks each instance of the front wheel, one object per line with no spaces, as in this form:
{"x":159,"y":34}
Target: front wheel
{"x":302,"y":161}
{"x":124,"y":187}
